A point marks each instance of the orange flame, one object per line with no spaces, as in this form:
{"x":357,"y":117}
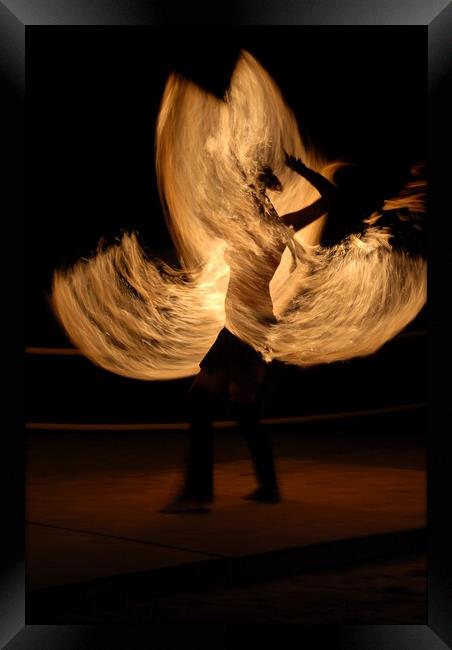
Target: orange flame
{"x":141,"y":320}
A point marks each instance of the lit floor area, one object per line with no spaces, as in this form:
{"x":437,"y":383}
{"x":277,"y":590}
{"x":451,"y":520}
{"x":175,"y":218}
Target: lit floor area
{"x":93,"y":500}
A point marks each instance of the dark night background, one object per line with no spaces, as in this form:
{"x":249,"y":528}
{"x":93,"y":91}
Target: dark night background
{"x":93,"y":98}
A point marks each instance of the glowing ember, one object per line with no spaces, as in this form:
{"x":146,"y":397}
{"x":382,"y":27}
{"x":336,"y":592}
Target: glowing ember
{"x":149,"y":321}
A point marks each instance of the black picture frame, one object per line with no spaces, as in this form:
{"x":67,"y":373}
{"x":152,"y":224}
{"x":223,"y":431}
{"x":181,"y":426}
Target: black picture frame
{"x":16,"y":16}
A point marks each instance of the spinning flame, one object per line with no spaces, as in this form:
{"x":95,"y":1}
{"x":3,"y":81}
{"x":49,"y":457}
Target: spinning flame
{"x":146,"y":320}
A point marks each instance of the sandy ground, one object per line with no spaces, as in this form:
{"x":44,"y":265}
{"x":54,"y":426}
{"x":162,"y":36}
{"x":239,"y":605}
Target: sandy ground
{"x":92,"y":498}
{"x":386,"y":592}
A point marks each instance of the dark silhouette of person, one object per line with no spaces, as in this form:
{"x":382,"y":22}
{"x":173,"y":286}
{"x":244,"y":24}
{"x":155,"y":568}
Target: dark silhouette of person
{"x":234,"y":367}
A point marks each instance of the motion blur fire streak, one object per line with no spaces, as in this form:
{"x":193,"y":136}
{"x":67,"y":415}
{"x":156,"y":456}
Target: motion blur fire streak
{"x":143,"y":319}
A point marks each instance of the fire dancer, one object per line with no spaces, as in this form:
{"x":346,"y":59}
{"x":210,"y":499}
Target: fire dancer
{"x":142,"y":319}
{"x":235,"y":366}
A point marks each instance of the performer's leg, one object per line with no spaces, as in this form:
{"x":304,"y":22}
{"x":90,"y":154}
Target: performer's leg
{"x":243,"y":396}
{"x":197,"y":490}
{"x":202,"y":398}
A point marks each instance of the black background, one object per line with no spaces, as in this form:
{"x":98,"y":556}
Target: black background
{"x":93,"y":96}
{"x":439,"y":472}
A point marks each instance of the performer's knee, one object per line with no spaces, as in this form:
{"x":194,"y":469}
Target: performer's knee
{"x":243,"y":410}
{"x":201,"y":403}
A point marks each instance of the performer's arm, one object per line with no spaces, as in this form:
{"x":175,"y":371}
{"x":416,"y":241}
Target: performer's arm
{"x":299,"y":218}
{"x":328,"y":193}
{"x":302,"y":218}
{"x":325,"y":188}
